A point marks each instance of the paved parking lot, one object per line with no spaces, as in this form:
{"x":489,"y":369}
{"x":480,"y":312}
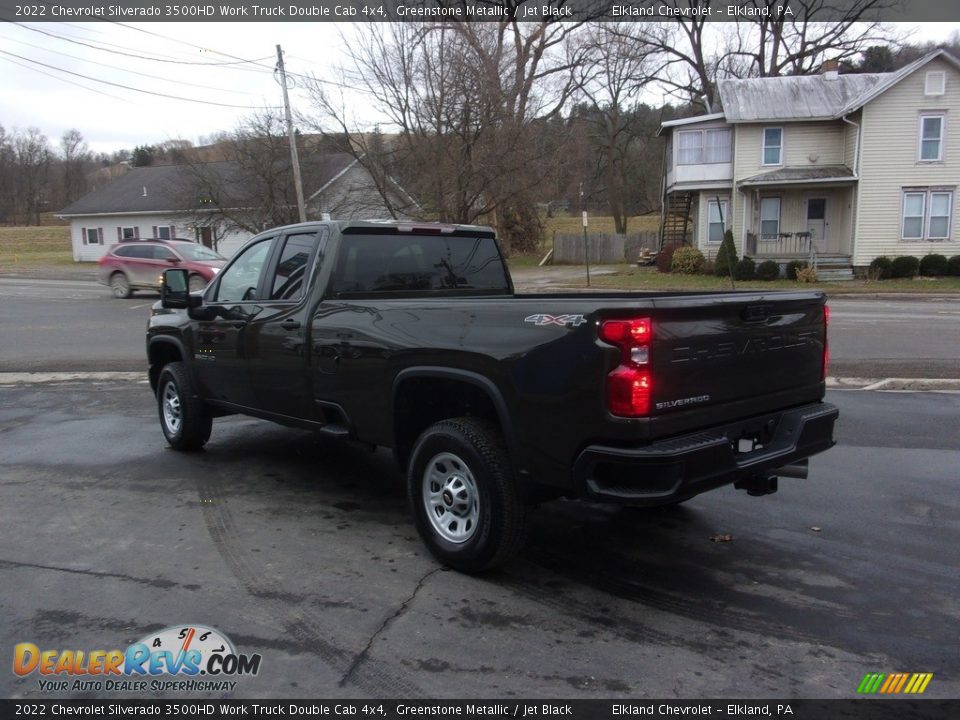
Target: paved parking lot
{"x":302,"y":550}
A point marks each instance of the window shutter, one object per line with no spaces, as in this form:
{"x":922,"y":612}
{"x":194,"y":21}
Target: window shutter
{"x":154,"y":231}
{"x":136,"y":231}
{"x":119,"y":234}
{"x":100,"y":235}
{"x":83,"y":234}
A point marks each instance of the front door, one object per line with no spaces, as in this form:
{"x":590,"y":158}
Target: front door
{"x":220,"y":361}
{"x":276,"y":348}
{"x":817,"y":222}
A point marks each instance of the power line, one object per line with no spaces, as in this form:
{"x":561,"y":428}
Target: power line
{"x":128,"y":87}
{"x":68,"y":82}
{"x":139,"y":57}
{"x":132,"y":72}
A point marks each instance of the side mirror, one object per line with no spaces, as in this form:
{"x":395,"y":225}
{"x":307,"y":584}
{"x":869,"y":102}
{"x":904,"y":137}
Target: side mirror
{"x":175,"y":290}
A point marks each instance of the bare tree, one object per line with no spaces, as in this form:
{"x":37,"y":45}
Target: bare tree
{"x":469,"y":103}
{"x":74,"y":157}
{"x":695,"y":53}
{"x":250,"y":187}
{"x":31,"y":163}
{"x":613,"y":78}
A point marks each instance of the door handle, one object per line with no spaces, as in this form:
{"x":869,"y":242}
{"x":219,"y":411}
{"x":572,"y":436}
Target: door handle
{"x":290,"y":324}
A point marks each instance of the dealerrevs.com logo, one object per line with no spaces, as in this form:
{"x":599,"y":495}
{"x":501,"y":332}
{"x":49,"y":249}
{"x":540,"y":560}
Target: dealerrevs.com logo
{"x":183,"y":658}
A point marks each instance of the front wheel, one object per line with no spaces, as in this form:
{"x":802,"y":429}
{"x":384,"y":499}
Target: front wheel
{"x":185,"y":421}
{"x":465,"y":501}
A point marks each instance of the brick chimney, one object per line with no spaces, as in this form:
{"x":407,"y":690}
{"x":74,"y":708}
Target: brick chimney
{"x":830,"y":69}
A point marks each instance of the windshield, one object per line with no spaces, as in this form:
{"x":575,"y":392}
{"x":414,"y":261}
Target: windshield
{"x":198,"y":252}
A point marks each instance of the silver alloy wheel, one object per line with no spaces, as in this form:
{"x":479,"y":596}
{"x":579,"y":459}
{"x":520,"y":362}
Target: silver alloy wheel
{"x":450,"y":498}
{"x":120,"y":285}
{"x":170,"y":400}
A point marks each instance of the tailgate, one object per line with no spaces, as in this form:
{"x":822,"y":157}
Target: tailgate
{"x":724,"y":349}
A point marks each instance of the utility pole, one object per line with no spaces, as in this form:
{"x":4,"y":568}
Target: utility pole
{"x":294,"y":157}
{"x":586,"y":243}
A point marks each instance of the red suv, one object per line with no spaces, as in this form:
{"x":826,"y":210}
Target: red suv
{"x":139,"y":264}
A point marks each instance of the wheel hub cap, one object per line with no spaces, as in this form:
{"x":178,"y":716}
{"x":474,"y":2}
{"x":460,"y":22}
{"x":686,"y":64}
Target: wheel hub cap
{"x":171,"y":407}
{"x":450,"y":498}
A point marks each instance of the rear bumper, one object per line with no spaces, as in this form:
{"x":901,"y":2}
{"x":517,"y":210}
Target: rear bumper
{"x":681,"y":467}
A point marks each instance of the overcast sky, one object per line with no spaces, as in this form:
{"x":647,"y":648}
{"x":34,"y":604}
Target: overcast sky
{"x":182,"y":59}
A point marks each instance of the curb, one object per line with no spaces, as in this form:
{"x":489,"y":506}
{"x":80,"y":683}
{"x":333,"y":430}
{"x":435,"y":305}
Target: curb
{"x":895,"y":384}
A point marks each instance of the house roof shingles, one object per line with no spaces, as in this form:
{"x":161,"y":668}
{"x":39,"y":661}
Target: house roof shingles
{"x":788,"y":175}
{"x":165,"y":188}
{"x":811,"y":97}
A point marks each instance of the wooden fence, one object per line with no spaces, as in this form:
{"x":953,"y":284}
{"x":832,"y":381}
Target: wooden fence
{"x":605,"y":248}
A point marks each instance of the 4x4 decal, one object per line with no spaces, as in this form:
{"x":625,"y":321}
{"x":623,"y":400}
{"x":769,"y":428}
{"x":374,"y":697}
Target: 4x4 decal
{"x":542,"y":319}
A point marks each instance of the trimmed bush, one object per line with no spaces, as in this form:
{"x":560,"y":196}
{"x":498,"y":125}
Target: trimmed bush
{"x":807,"y":275}
{"x":726,"y":256}
{"x":880,"y":268}
{"x":708,"y":268}
{"x":905,"y":266}
{"x":793,"y":267}
{"x":768,"y":270}
{"x":687,"y":260}
{"x":745,"y":269}
{"x":933,"y":265}
{"x":665,"y":257}
{"x":953,"y":265}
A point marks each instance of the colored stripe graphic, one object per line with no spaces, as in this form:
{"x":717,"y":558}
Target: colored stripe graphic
{"x":894,"y":683}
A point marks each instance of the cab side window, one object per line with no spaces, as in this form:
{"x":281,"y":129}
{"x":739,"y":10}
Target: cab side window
{"x":239,"y":282}
{"x":293,"y":267}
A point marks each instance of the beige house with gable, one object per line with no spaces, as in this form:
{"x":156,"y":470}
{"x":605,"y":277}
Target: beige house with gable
{"x":835,"y":168}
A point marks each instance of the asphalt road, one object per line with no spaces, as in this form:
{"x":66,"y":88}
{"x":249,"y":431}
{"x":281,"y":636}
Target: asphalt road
{"x":56,"y":325}
{"x":302,"y":550}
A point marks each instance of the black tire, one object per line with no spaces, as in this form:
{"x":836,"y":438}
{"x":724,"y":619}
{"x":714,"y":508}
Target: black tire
{"x":120,"y":286}
{"x":476,"y":517}
{"x":183,"y":418}
{"x":196,"y":283}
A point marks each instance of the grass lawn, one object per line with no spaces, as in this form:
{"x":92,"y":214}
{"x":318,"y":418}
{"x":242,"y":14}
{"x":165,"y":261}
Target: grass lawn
{"x":22,"y":247}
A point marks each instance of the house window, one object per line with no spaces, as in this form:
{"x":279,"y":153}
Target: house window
{"x":716,"y":146}
{"x":717,"y":217}
{"x":936,"y":83}
{"x":697,"y":147}
{"x":689,"y":148}
{"x":164,"y":232}
{"x":128,"y":233}
{"x":931,"y":138}
{"x":93,"y":236}
{"x":773,"y":146}
{"x":927,"y":214}
{"x":769,"y":217}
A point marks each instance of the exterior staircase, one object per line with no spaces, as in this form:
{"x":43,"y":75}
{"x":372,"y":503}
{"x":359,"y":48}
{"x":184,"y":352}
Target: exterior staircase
{"x":676,"y":218}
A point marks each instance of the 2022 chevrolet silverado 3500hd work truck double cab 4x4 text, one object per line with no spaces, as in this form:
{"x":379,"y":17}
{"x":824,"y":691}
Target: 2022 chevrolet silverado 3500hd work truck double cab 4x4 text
{"x":410,"y":336}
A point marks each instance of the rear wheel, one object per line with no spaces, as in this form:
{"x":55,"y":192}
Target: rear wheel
{"x":185,"y":421}
{"x":465,"y":501}
{"x":120,"y":286}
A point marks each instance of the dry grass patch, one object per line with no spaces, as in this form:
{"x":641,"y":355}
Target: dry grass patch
{"x":32,"y":246}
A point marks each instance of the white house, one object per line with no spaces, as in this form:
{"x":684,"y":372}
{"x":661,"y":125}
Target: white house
{"x":164,"y":201}
{"x":841,"y":168}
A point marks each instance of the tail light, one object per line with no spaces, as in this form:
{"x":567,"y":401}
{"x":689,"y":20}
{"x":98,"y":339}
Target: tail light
{"x":826,"y":345}
{"x":629,"y":386}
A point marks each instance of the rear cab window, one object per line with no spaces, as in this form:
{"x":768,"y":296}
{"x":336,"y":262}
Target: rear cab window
{"x":419,"y":264}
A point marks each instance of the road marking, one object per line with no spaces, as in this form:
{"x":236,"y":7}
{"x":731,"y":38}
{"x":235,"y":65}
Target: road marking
{"x":29,"y":378}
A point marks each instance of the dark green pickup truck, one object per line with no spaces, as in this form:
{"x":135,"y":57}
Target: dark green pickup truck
{"x":410,"y":336}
